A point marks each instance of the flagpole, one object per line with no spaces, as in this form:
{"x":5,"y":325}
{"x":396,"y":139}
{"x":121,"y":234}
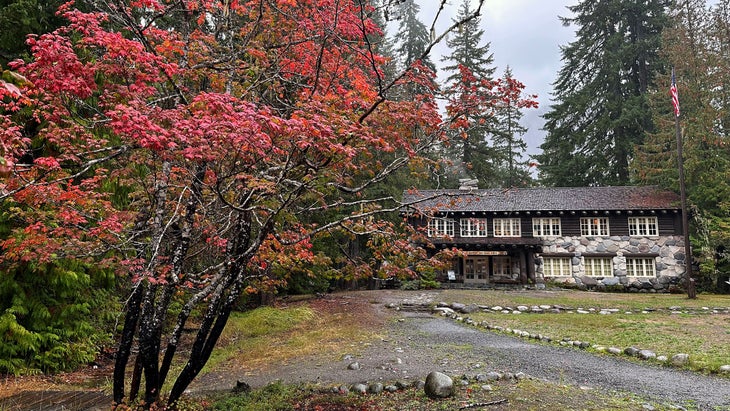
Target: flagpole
{"x":689,"y":282}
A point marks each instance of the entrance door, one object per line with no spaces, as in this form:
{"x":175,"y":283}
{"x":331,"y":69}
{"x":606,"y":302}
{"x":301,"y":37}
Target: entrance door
{"x":476,"y":269}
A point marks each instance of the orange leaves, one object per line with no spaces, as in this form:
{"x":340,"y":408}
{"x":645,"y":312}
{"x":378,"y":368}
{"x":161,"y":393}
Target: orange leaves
{"x":472,"y":98}
{"x":270,"y":127}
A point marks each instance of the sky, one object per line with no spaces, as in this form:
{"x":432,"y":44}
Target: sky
{"x":525,"y":35}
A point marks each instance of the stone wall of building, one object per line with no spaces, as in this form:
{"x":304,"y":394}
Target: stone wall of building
{"x":668,"y":252}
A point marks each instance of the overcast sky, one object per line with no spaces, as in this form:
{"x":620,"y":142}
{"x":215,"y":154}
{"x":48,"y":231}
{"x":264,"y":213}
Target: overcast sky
{"x":525,"y":35}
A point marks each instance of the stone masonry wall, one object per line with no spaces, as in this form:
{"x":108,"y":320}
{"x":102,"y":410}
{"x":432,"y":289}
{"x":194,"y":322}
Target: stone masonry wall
{"x":669,"y":251}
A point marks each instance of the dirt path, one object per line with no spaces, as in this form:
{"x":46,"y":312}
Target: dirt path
{"x":418,"y":343}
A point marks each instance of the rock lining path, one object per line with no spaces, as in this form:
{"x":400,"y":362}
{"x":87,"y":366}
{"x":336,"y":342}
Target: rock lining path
{"x":420,"y":343}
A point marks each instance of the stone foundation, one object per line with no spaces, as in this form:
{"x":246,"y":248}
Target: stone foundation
{"x":668,"y":252}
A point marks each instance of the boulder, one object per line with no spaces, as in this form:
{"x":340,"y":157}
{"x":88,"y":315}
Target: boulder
{"x":375,"y":388}
{"x":438,"y":385}
{"x":647,"y":355}
{"x":589,"y":281}
{"x":360,"y":388}
{"x":632,"y":351}
{"x":680,"y":359}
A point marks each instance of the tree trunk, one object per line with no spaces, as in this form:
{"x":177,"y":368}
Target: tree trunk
{"x":149,"y":347}
{"x":200,"y":356}
{"x":136,"y":379}
{"x":125,"y":342}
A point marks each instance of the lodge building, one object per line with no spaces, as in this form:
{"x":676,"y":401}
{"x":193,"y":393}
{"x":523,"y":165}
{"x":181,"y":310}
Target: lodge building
{"x":624,"y":237}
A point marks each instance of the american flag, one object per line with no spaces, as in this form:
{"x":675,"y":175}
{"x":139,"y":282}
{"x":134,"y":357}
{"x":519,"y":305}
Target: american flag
{"x":675,"y":95}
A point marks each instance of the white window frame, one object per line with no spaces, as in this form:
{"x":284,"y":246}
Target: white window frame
{"x":594,"y":226}
{"x":507,"y":227}
{"x":598,"y":266}
{"x":473,"y":227}
{"x":644,"y":226}
{"x":641,"y":266}
{"x":441,"y":227}
{"x":502,"y":266}
{"x":546,"y":227}
{"x":557,"y":267}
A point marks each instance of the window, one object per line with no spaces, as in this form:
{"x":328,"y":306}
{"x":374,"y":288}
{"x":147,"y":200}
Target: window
{"x":502,"y":266}
{"x":641,"y":267}
{"x":507,"y":227}
{"x":599,"y":266}
{"x":595,"y":226}
{"x":473,"y":227}
{"x":545,"y":227}
{"x":556,"y":266}
{"x":643,"y":226}
{"x":441,"y":227}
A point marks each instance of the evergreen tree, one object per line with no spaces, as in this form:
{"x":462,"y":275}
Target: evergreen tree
{"x":601,"y":110}
{"x":382,"y":44}
{"x":512,"y":170}
{"x":469,"y":148}
{"x":466,"y":50}
{"x":412,"y":40}
{"x":18,"y":18}
{"x":696,"y":46}
{"x":413,"y":36}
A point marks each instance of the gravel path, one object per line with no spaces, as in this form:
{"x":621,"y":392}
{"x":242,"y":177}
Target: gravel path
{"x":573,"y":366}
{"x":419,"y":343}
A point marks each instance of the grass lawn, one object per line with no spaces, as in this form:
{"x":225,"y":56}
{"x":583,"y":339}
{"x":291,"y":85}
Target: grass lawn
{"x":699,"y":333}
{"x":695,"y":331}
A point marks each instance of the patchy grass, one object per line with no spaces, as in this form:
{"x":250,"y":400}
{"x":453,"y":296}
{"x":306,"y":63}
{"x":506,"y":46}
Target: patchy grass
{"x":270,"y":335}
{"x":505,"y":395}
{"x":273,"y":335}
{"x":702,"y":335}
{"x":583,"y":299}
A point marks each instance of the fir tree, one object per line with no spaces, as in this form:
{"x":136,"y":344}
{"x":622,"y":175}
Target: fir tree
{"x":512,"y":170}
{"x":695,"y":45}
{"x":601,"y":110}
{"x":469,"y":149}
{"x":413,"y":36}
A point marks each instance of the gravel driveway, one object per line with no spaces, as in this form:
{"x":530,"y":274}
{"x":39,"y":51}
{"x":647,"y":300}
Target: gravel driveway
{"x":418,"y":343}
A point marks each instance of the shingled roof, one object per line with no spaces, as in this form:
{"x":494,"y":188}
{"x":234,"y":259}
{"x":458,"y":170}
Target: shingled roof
{"x":544,"y":199}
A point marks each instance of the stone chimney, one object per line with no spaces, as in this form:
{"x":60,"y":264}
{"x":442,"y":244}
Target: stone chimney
{"x":468,"y":184}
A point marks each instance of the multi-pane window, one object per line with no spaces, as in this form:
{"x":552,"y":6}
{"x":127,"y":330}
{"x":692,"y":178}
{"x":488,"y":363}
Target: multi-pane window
{"x":641,"y":267}
{"x":476,"y":268}
{"x":473,"y":227}
{"x":599,"y":266}
{"x":546,"y":227}
{"x":595,"y":226}
{"x":507,"y":227}
{"x":502,"y":266}
{"x":556,"y":266}
{"x":643,"y":226}
{"x":441,"y":227}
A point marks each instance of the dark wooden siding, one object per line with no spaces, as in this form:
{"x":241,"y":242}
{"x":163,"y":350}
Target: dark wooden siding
{"x":669,"y":223}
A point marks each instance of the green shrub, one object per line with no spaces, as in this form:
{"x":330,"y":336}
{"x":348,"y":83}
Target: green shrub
{"x":273,"y":397}
{"x":54,"y":317}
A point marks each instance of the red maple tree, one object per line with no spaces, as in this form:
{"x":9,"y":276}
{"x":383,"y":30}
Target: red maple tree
{"x":188,"y":143}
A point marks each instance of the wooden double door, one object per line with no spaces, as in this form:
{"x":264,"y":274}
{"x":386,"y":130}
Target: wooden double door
{"x":485,"y":269}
